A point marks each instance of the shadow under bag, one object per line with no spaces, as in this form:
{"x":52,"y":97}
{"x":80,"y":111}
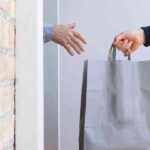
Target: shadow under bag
{"x":115,"y":105}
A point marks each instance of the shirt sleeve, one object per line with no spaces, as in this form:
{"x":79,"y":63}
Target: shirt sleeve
{"x":147,"y":35}
{"x":47,"y":32}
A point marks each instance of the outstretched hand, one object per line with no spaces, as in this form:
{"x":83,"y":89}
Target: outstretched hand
{"x":129,"y":41}
{"x":70,"y":39}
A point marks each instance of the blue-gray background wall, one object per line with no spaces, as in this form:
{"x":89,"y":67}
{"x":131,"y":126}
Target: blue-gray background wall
{"x":99,"y":21}
{"x":50,"y":81}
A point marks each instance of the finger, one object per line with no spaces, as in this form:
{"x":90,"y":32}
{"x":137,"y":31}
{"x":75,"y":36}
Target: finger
{"x":72,"y":26}
{"x":126,"y":53}
{"x":128,"y":48}
{"x":68,"y":48}
{"x":74,"y":46}
{"x":119,"y":45}
{"x":119,"y":38}
{"x":79,"y":36}
{"x":124,"y":45}
{"x":77,"y":42}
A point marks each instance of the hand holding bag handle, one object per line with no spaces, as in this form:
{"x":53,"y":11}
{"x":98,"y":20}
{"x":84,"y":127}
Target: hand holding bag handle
{"x":112,"y":54}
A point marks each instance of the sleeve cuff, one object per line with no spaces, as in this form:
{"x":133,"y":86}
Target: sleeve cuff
{"x":48,"y":32}
{"x":147,"y":35}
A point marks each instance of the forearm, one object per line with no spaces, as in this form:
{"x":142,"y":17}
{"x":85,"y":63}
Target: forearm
{"x":147,"y":35}
{"x":47,"y":32}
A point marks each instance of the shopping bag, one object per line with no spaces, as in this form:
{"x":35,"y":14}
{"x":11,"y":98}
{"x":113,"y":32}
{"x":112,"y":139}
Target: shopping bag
{"x":115,"y":105}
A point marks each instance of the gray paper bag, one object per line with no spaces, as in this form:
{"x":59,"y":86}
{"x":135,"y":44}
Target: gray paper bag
{"x":115,"y":106}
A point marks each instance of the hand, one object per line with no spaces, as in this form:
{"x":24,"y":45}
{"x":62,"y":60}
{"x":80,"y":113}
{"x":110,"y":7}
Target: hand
{"x":129,"y":41}
{"x":66,"y":36}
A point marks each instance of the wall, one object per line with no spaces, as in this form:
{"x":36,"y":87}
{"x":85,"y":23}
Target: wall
{"x":50,"y":81}
{"x":7,"y":73}
{"x":99,"y":21}
{"x":29,"y":75}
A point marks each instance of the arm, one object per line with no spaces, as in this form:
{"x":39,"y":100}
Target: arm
{"x":47,"y":33}
{"x":66,"y":36}
{"x":147,"y":35}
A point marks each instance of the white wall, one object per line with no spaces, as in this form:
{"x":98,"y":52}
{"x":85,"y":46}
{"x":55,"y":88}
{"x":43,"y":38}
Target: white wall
{"x":50,"y":81}
{"x":29,"y":75}
{"x":99,"y":21}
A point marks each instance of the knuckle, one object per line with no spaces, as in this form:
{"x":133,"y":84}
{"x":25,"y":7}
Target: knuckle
{"x":70,"y":33}
{"x":76,"y":33}
{"x":67,"y":38}
{"x":64,"y":42}
{"x":66,"y":46}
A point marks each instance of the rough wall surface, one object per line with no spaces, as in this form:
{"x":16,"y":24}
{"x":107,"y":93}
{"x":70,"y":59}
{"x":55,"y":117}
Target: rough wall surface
{"x":7,"y":74}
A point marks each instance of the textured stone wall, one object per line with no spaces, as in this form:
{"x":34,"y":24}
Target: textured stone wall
{"x":7,"y":74}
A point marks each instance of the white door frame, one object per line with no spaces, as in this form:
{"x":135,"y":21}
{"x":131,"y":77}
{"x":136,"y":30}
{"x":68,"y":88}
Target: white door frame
{"x":29,"y":75}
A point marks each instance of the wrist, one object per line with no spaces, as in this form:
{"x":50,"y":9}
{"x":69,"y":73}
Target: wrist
{"x":54,"y":29}
{"x":142,"y":36}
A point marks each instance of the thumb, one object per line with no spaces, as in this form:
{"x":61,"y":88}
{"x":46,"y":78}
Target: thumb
{"x":73,"y":25}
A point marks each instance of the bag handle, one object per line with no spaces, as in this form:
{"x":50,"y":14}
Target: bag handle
{"x":112,"y":54}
